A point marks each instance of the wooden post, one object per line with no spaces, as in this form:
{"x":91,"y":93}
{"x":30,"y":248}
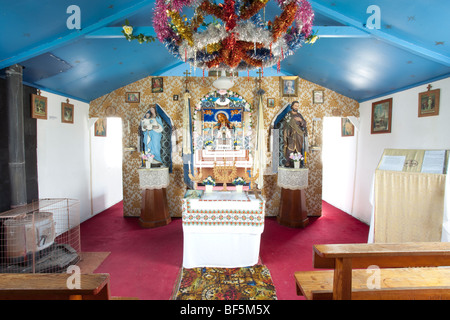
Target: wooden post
{"x":342,"y":281}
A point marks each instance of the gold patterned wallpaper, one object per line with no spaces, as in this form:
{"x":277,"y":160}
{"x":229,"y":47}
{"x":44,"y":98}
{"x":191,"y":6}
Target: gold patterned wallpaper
{"x":334,"y":105}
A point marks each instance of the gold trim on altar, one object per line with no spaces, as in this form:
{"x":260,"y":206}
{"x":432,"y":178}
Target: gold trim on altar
{"x":224,"y":174}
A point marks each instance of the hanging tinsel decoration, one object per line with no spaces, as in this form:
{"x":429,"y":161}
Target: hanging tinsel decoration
{"x":235,"y":37}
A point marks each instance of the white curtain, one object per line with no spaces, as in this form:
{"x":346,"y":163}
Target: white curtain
{"x":259,"y":163}
{"x":187,"y":140}
{"x":446,"y":219}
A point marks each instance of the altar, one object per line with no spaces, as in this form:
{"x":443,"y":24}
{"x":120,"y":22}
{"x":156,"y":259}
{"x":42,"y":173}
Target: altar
{"x":221,"y":229}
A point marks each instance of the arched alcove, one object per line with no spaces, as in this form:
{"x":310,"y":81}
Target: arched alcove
{"x":163,"y":134}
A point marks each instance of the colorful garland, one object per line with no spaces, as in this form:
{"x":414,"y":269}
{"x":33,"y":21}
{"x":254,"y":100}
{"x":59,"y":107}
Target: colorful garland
{"x":242,"y":41}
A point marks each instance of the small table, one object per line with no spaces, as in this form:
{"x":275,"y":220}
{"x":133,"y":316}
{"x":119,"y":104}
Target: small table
{"x":222,"y":229}
{"x":154,"y":208}
{"x":293,"y":183}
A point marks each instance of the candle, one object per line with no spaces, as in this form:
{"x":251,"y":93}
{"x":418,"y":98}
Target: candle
{"x":189,"y":164}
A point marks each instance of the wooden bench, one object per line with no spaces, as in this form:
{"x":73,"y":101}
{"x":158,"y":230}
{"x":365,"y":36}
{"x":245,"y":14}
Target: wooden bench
{"x":49,"y":286}
{"x":399,"y":272}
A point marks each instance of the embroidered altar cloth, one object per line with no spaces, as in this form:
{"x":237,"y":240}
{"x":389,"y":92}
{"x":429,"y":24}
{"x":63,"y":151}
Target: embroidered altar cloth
{"x":293,"y":179}
{"x":222,"y":229}
{"x":154,"y":178}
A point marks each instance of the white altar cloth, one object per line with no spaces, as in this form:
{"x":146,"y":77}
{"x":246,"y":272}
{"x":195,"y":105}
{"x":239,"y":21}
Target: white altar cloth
{"x":222,"y":229}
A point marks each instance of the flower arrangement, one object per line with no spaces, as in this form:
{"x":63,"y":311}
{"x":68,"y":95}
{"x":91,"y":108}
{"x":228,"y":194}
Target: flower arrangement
{"x":236,"y":143}
{"x":296,"y":156}
{"x":147,"y":156}
{"x":209,"y":181}
{"x":239,"y":181}
{"x":128,"y":33}
{"x":208,"y":143}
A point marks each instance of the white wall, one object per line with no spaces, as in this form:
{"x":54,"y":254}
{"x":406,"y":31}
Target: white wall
{"x":408,"y":132}
{"x":64,"y":160}
{"x":338,"y":160}
{"x":63,"y":154}
{"x":106,"y":161}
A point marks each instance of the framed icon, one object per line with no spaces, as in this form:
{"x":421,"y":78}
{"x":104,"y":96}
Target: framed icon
{"x":100,"y":127}
{"x":317,"y":96}
{"x":429,"y":103}
{"x":67,"y":112}
{"x":347,"y":128}
{"x":381,"y":116}
{"x":157,"y":85}
{"x":289,"y":86}
{"x":38,"y":106}
{"x":133,"y":97}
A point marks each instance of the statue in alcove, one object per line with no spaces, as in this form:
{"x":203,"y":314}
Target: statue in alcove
{"x":152,"y":128}
{"x":295,"y":133}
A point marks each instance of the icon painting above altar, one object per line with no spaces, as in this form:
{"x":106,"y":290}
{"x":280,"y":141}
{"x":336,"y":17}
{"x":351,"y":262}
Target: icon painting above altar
{"x":222,"y":137}
{"x":223,"y":126}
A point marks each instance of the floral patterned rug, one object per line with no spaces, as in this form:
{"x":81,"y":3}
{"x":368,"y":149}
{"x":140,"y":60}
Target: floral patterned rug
{"x":249,"y":283}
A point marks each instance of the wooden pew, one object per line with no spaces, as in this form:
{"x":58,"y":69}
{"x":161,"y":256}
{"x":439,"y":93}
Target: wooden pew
{"x":50,"y":286}
{"x":399,"y":272}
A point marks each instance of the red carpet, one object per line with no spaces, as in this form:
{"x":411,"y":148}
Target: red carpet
{"x":145,"y":263}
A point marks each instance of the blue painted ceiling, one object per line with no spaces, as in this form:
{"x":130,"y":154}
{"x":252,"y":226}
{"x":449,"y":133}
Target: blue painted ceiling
{"x":411,"y":47}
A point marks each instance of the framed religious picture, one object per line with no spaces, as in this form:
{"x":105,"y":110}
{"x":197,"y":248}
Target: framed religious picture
{"x":157,"y":85}
{"x":270,"y":102}
{"x":133,"y":97}
{"x":100,"y":127}
{"x":38,"y":106}
{"x":175,"y":97}
{"x":381,"y":116}
{"x":66,"y":112}
{"x":429,"y":102}
{"x":317,"y":96}
{"x":347,"y":128}
{"x":289,"y":86}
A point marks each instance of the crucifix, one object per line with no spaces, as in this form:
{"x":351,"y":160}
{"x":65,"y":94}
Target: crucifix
{"x":259,"y":72}
{"x":429,"y":87}
{"x":186,"y":81}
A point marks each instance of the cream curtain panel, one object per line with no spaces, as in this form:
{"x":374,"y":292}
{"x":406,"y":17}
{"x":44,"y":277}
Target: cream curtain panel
{"x":408,"y":205}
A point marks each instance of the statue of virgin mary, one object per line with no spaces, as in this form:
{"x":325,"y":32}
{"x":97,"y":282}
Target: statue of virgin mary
{"x":152,"y":127}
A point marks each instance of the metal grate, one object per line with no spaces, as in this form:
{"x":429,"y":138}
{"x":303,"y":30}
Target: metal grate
{"x":41,"y":237}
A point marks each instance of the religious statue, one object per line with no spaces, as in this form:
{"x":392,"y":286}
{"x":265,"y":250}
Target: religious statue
{"x":152,"y":127}
{"x":295,"y":133}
